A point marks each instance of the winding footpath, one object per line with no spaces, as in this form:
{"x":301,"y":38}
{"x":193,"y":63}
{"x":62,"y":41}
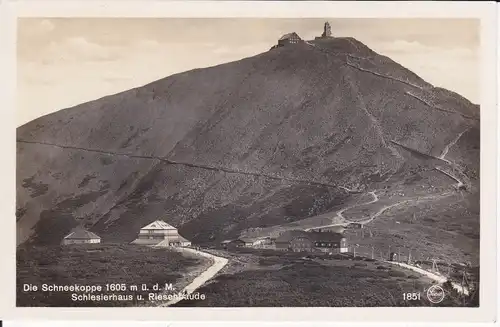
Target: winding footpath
{"x":204,"y":277}
{"x":344,"y":221}
{"x":460,"y":183}
{"x":463,"y":180}
{"x":448,"y":147}
{"x":340,"y":212}
{"x":387,"y":207}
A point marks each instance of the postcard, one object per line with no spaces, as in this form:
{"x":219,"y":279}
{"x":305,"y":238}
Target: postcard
{"x":227,"y":160}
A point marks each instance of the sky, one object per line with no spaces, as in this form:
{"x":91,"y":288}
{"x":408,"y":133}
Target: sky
{"x":62,"y":62}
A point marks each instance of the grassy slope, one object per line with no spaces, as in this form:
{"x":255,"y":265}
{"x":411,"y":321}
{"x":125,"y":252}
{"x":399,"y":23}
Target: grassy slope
{"x":99,"y":265}
{"x":447,"y":230}
{"x":274,"y":279}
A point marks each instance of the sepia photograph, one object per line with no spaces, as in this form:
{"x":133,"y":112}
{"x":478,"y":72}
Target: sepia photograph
{"x":314,"y":162}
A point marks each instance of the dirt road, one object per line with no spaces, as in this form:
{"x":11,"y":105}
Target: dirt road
{"x":205,"y":276}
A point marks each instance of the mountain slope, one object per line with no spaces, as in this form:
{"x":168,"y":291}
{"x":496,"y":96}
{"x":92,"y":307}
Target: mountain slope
{"x":263,"y":141}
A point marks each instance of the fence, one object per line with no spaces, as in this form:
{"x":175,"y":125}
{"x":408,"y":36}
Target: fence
{"x":450,"y":270}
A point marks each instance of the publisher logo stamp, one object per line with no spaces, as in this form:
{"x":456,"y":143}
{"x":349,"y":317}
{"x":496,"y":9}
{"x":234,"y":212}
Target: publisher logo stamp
{"x":435,"y":294}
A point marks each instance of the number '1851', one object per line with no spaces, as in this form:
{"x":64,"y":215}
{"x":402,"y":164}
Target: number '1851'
{"x":411,"y":296}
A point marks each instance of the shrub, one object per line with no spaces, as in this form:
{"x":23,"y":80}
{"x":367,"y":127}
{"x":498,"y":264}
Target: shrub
{"x":397,"y":273}
{"x":360,"y":264}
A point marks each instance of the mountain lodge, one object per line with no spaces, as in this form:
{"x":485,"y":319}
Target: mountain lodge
{"x":81,"y":236}
{"x":290,"y":38}
{"x":259,"y":242}
{"x":161,"y":232}
{"x":334,"y":229}
{"x":301,"y":241}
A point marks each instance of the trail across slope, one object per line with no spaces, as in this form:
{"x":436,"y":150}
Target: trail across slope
{"x":459,"y":182}
{"x":188,"y":164}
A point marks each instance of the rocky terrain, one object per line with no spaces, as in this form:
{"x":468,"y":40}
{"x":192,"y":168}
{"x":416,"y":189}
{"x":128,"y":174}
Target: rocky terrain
{"x":286,"y":135}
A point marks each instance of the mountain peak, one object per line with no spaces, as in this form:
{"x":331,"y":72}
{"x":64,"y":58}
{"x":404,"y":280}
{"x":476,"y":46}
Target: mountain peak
{"x":338,"y":45}
{"x":271,"y":139}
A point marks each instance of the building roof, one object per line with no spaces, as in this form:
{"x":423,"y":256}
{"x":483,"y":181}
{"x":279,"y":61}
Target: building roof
{"x":252,"y":239}
{"x":288,"y":35}
{"x":334,"y":229}
{"x":158,"y":224}
{"x":81,"y":234}
{"x":287,"y":236}
{"x":247,"y":239}
{"x":326,"y":237}
{"x":313,"y":236}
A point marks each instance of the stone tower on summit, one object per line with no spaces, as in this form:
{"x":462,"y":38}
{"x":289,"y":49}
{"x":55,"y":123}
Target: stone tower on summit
{"x":327,"y":30}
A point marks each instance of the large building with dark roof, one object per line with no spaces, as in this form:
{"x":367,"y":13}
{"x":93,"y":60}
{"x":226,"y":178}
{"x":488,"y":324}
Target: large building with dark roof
{"x":302,"y":241}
